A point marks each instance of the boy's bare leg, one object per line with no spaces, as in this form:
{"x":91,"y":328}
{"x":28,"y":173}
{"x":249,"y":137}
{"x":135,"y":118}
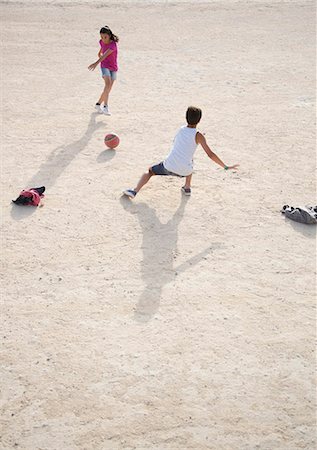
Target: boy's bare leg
{"x":188,"y":181}
{"x":143,"y":180}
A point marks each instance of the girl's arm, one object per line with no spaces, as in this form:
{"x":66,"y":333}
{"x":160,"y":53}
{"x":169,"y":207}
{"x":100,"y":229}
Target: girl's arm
{"x":101,"y":58}
{"x":200,"y":139}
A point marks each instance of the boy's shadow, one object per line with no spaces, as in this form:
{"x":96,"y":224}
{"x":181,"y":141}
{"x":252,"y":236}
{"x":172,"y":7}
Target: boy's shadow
{"x":62,"y":156}
{"x":55,"y":164}
{"x":159,"y":247}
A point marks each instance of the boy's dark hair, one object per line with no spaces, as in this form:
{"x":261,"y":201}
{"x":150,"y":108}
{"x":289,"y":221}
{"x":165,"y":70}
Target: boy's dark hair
{"x":193,"y":115}
{"x":106,"y":30}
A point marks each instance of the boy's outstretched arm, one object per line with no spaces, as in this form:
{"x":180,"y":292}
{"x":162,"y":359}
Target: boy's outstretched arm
{"x":200,"y":139}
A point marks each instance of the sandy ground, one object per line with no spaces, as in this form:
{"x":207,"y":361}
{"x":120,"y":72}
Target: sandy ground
{"x":166,"y":322}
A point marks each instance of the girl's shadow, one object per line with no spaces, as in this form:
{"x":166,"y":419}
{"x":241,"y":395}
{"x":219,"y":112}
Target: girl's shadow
{"x":55,"y":164}
{"x":159,"y":247}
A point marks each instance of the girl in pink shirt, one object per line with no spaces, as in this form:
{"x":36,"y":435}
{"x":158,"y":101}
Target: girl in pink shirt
{"x":108,"y":64}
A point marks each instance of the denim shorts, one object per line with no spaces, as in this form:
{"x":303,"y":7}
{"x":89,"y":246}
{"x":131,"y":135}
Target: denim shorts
{"x":159,"y":169}
{"x":108,"y":73}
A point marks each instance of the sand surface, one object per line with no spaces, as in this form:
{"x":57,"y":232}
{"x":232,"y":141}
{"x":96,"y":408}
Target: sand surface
{"x":167,"y":322}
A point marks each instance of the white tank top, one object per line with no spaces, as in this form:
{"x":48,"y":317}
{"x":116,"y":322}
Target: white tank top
{"x":180,"y":158}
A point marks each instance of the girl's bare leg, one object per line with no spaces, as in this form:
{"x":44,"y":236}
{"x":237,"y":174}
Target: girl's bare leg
{"x":102,"y":94}
{"x":105,"y":93}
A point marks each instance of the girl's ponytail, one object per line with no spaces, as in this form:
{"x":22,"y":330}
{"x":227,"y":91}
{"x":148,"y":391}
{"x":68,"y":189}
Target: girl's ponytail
{"x":114,"y":37}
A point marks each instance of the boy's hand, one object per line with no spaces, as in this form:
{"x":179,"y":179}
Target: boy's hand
{"x":92,"y":66}
{"x":235,"y":166}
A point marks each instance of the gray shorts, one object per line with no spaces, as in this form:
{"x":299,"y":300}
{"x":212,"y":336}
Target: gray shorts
{"x":159,"y":169}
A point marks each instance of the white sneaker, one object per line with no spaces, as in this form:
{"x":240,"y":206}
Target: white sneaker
{"x":106,"y":111}
{"x":129,"y":193}
{"x":99,"y":108}
{"x":186,"y":191}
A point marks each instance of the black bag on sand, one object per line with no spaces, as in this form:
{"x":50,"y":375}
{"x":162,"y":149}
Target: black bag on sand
{"x":307,"y":214}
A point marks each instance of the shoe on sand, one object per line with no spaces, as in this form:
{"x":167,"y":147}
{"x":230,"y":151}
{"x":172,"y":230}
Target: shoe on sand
{"x":106,"y":111}
{"x":186,"y":191}
{"x":98,"y":108}
{"x":129,"y":193}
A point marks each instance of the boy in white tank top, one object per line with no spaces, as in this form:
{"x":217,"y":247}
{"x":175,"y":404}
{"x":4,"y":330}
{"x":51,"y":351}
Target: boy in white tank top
{"x":179,"y":161}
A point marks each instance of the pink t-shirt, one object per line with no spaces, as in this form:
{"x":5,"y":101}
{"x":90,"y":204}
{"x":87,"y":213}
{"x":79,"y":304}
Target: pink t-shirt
{"x":110,"y":62}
